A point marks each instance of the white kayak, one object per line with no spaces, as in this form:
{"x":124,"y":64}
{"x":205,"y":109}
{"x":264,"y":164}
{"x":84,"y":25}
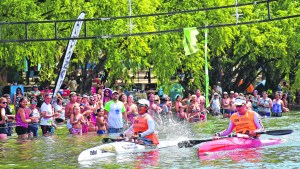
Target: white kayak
{"x":115,"y":148}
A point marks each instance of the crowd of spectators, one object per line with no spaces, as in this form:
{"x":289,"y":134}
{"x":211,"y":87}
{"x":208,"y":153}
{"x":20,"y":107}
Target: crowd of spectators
{"x":107,"y":111}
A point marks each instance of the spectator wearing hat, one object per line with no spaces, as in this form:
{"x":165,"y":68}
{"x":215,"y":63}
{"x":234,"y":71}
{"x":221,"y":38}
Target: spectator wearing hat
{"x":215,"y":105}
{"x":116,"y":112}
{"x":35,"y":91}
{"x":36,"y":94}
{"x":84,"y":104}
{"x":225,"y":105}
{"x":34,"y":112}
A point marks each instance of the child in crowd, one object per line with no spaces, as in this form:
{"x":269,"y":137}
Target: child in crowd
{"x":76,"y":119}
{"x":101,"y":122}
{"x":215,"y":105}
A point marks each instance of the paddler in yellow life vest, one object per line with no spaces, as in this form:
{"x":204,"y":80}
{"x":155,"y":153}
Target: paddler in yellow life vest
{"x":244,"y":121}
{"x":143,"y":125}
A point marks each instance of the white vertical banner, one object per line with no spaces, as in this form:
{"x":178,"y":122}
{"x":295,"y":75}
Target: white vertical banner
{"x":68,"y":54}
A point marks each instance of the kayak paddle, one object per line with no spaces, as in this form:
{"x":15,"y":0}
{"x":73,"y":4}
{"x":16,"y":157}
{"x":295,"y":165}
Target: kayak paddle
{"x":191,"y":143}
{"x":276,"y":132}
{"x":106,"y":140}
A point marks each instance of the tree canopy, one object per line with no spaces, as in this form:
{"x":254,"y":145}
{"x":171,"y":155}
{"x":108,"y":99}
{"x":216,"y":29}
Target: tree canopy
{"x":270,"y":49}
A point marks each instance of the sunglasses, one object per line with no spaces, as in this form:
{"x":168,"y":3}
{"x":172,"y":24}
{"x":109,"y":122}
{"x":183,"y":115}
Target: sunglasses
{"x":142,"y":105}
{"x":239,"y":106}
{"x":4,"y":102}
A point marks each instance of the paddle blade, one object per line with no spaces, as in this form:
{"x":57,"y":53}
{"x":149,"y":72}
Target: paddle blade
{"x":106,"y":140}
{"x":191,"y":143}
{"x":276,"y":132}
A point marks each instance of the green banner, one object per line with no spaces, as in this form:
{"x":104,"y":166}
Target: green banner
{"x":190,"y":40}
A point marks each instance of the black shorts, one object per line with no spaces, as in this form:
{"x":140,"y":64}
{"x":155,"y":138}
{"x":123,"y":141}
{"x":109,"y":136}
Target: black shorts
{"x":46,"y":129}
{"x":21,"y":130}
{"x":59,"y":120}
{"x":226,"y":111}
{"x":3,"y":129}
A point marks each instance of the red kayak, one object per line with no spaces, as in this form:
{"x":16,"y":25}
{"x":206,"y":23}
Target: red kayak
{"x":232,"y":143}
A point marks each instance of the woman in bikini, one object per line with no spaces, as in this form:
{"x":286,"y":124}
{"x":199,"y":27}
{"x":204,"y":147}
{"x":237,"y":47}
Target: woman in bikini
{"x":194,"y":111}
{"x":180,"y":108}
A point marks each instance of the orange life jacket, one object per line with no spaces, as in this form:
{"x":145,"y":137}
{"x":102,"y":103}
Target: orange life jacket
{"x":245,"y":123}
{"x":140,"y":125}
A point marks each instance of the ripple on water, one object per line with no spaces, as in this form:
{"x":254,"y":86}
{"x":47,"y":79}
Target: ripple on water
{"x":62,"y":150}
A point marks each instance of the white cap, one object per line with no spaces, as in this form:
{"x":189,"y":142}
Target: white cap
{"x":240,"y":100}
{"x":144,"y":101}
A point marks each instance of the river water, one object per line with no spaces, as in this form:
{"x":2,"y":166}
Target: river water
{"x":61,"y":150}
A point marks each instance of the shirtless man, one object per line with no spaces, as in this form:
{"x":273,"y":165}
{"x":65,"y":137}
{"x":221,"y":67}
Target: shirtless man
{"x":69,"y":109}
{"x":200,"y":100}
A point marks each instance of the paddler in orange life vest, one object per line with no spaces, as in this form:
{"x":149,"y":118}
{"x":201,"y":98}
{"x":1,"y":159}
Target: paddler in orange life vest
{"x":143,"y":125}
{"x":244,"y":121}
